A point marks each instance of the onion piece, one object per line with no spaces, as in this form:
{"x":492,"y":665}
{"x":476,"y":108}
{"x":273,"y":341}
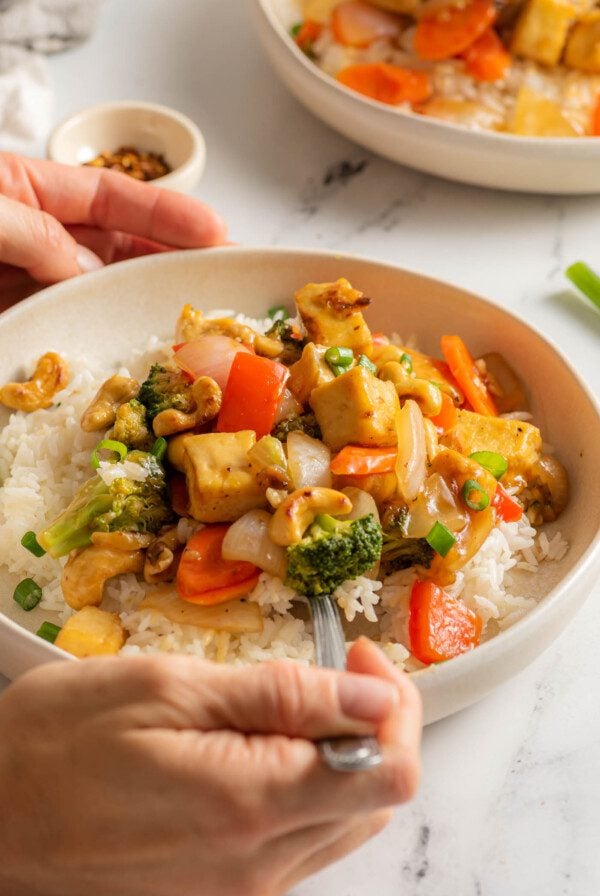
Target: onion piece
{"x":209,"y":356}
{"x":288,"y":407}
{"x":309,"y":461}
{"x":435,"y":503}
{"x":248,"y":539}
{"x":410,"y":463}
{"x":362,"y":504}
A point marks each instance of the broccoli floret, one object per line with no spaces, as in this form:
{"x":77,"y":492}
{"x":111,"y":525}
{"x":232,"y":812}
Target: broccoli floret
{"x":399,"y":551}
{"x":306,"y":423}
{"x":124,"y":505}
{"x":292,"y":346}
{"x":130,"y":426}
{"x":165,"y":388}
{"x":332,"y":552}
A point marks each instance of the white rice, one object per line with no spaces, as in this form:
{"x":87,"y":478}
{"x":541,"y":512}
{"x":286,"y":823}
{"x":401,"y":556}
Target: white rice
{"x":45,"y":456}
{"x":465,"y":100}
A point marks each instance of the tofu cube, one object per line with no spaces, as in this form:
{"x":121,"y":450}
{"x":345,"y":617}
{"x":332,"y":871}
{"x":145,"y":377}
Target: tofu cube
{"x":309,"y":372}
{"x":220,"y":481}
{"x":541,"y":30}
{"x":332,"y":315}
{"x":583,"y":46}
{"x":356,"y":408}
{"x":519,"y":442}
{"x":91,"y":632}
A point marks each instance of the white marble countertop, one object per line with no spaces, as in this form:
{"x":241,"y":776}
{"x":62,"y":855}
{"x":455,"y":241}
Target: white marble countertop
{"x":510,"y":798}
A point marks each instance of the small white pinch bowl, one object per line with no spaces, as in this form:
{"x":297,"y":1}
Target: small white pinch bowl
{"x":252,"y":280}
{"x":146,"y":126}
{"x":551,"y":165}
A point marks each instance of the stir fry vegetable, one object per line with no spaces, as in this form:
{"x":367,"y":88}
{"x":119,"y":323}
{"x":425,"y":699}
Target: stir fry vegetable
{"x":316,"y":455}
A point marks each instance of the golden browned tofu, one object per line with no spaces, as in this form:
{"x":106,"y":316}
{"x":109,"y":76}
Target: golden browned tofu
{"x":537,"y":116}
{"x":332,"y":315}
{"x":583,"y":45}
{"x":356,"y":409}
{"x":309,"y":372}
{"x":220,"y":481}
{"x":91,"y":632}
{"x":541,"y":30}
{"x":520,"y":443}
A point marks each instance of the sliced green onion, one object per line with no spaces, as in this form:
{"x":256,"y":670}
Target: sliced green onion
{"x":48,"y":631}
{"x":440,"y":539}
{"x":159,"y":448}
{"x":586,"y":280}
{"x":278,"y":312}
{"x":490,"y":461}
{"x":108,"y":445}
{"x":30,"y":542}
{"x":406,"y":362}
{"x":27,"y":594}
{"x":474,"y":496}
{"x":295,"y":29}
{"x":339,"y":359}
{"x":363,"y":361}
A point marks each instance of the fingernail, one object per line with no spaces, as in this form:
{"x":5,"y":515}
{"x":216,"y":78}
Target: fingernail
{"x":365,"y":697}
{"x":87,"y":260}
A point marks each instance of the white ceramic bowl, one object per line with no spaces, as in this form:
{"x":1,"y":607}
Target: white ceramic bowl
{"x":251,"y":280}
{"x":146,"y":126}
{"x":487,"y":159}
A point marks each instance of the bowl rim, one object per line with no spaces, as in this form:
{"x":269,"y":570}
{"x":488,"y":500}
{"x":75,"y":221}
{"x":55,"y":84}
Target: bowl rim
{"x":586,"y":146}
{"x":488,"y":651}
{"x":196,"y":156}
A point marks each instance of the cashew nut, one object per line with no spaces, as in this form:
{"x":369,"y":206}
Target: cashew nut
{"x":102,"y":412}
{"x":51,"y":374}
{"x":427,"y":395}
{"x":159,"y":565}
{"x":192,"y":323}
{"x":296,"y":513}
{"x":207,"y":396}
{"x":87,"y":571}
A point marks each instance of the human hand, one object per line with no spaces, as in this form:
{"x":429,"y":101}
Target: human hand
{"x":156,"y":776}
{"x":57,"y":221}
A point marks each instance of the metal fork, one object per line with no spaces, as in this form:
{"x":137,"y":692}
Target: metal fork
{"x":342,"y":754}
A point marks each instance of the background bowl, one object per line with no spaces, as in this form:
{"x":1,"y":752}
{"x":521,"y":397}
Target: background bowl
{"x":146,"y":126}
{"x":252,"y":280}
{"x":487,"y":159}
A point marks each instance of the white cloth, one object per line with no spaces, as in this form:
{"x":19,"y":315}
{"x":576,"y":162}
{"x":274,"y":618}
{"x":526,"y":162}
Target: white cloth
{"x":29,"y":29}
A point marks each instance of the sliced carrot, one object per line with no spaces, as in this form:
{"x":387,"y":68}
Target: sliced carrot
{"x":356,"y":461}
{"x":357,"y":24}
{"x":439,"y":626}
{"x":487,"y":59}
{"x":204,"y":577}
{"x":252,"y":395}
{"x":307,"y":35}
{"x":387,"y":83}
{"x":506,"y":507}
{"x":451,"y":29}
{"x":596,"y":119}
{"x":469,"y":379}
{"x":448,"y":416}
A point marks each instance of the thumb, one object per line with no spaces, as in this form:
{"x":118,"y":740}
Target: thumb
{"x":269,"y":698}
{"x":36,"y":242}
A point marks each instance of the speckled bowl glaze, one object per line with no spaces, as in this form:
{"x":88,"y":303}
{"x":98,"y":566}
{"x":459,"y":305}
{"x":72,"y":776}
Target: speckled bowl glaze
{"x":484,"y":158}
{"x":252,"y":280}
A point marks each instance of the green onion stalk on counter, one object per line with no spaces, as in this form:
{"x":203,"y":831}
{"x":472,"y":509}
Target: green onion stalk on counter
{"x":586,"y":280}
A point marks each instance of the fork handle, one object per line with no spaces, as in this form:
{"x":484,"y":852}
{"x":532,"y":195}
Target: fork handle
{"x":342,"y":754}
